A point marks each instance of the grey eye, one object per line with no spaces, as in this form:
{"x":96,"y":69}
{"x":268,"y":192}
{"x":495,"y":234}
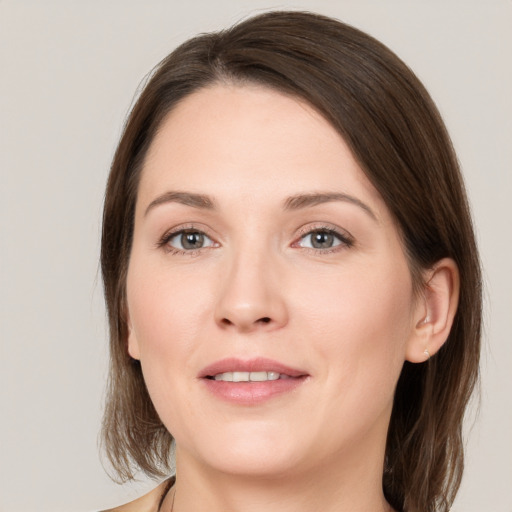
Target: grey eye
{"x":190,"y":240}
{"x":320,"y":239}
{"x":193,"y":240}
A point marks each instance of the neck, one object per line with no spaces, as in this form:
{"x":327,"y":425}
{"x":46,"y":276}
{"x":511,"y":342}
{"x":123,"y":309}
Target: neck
{"x":354,"y":486}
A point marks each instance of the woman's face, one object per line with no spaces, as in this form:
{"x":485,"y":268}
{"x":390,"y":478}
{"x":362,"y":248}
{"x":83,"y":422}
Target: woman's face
{"x":261,"y":248}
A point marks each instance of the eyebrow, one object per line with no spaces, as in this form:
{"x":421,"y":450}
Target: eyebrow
{"x":296,"y":202}
{"x":187,"y":198}
{"x":307,"y":200}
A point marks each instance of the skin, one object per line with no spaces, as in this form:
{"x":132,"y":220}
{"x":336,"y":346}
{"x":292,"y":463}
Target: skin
{"x":347,"y":315}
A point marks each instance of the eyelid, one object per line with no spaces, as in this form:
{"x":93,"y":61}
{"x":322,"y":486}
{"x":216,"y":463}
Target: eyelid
{"x":346,"y":239}
{"x":163,"y":241}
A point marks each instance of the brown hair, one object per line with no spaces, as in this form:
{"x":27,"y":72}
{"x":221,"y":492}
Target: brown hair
{"x":395,"y":132}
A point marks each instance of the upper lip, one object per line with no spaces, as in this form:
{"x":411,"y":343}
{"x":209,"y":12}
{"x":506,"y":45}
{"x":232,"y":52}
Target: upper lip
{"x":259,"y":364}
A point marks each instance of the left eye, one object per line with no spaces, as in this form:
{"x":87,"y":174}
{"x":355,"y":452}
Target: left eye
{"x":189,"y":240}
{"x":321,"y":239}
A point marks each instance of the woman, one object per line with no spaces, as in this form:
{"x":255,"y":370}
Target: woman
{"x":291,"y":277}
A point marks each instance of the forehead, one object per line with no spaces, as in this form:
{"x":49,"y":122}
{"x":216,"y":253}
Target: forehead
{"x":249,"y":141}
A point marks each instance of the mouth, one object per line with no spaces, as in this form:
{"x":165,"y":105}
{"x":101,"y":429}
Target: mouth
{"x":250,"y":382}
{"x":251,"y":370}
{"x":249,"y":376}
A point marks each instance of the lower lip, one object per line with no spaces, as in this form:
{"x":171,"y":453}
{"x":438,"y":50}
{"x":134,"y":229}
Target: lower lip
{"x":252,"y":393}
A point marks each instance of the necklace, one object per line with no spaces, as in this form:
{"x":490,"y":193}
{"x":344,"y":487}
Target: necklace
{"x":172,"y":482}
{"x":172,"y":502}
{"x":168,"y":487}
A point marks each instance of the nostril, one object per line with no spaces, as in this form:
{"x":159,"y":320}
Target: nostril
{"x":245,"y":323}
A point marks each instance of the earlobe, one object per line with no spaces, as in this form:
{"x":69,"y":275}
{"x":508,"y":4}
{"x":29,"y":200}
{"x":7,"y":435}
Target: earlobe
{"x":132,"y":343}
{"x":435,"y":314}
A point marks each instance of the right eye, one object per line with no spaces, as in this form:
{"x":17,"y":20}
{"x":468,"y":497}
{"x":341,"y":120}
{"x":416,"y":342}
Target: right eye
{"x":189,"y":240}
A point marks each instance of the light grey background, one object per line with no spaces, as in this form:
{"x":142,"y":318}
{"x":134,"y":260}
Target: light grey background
{"x":68,"y":73}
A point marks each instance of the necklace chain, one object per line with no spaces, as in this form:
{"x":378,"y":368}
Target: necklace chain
{"x":172,"y":502}
{"x":174,"y":496}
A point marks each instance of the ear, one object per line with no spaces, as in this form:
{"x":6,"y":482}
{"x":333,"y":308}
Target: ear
{"x":132,"y":342}
{"x":434,"y":315}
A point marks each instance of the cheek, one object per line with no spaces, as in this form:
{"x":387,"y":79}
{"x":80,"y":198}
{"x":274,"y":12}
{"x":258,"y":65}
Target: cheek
{"x":166,"y":309}
{"x":357,"y":303}
{"x":163,"y":324}
{"x":171,"y":314}
{"x":360,"y":322}
{"x":166,"y":316}
{"x":357,"y":332}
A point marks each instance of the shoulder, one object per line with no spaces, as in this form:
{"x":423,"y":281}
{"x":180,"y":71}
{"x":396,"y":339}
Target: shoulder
{"x":150,"y":502}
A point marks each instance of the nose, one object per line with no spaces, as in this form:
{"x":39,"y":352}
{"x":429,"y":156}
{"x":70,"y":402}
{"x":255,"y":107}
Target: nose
{"x":252,"y":296}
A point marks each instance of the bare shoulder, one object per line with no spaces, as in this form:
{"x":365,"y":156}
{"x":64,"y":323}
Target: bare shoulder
{"x":147,"y":503}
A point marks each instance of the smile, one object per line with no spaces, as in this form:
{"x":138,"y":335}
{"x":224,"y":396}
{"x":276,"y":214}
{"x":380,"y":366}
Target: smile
{"x":249,"y":376}
{"x":250,"y":382}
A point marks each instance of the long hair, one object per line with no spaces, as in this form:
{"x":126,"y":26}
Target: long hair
{"x":397,"y":136}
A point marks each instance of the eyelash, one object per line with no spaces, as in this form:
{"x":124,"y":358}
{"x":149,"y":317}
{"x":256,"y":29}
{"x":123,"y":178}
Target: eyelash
{"x":163,"y":243}
{"x":345,"y":239}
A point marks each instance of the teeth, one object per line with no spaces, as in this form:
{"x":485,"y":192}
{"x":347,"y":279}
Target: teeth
{"x":240,"y":376}
{"x":258,"y":376}
{"x":249,"y":376}
{"x":228,"y":376}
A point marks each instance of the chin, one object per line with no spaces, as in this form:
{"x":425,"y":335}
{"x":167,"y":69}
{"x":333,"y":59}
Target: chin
{"x":256,"y":464}
{"x":251,"y":450}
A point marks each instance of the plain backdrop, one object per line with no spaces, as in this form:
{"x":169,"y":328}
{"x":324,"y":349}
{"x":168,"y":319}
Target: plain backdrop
{"x":68,"y":74}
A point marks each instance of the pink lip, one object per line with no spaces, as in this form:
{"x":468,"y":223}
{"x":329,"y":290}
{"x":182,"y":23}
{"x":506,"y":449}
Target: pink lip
{"x":251,"y":393}
{"x":260,"y":364}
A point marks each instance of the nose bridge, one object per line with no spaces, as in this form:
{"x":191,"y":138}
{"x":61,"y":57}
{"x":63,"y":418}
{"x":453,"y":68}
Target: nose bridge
{"x":250,"y":296}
